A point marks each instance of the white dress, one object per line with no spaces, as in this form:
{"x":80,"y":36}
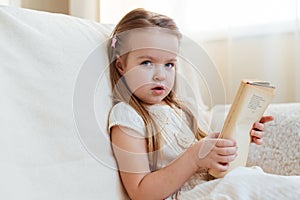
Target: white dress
{"x":241,"y":183}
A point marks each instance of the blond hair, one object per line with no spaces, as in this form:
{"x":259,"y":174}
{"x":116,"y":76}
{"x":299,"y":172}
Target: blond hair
{"x":140,"y":18}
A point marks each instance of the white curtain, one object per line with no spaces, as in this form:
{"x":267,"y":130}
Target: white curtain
{"x":245,"y":39}
{"x":88,"y":9}
{"x":10,"y":2}
{"x":4,"y":2}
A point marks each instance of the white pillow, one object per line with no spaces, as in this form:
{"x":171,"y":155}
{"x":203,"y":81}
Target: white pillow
{"x":41,"y":154}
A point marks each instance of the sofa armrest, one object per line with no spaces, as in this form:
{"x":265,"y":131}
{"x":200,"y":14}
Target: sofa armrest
{"x":280,"y":152}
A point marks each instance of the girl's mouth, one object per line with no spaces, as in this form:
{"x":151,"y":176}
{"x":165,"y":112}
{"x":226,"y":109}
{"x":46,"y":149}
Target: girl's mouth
{"x":158,"y":90}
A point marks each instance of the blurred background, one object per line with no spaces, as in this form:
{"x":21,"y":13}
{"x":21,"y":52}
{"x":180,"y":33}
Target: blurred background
{"x":244,"y":38}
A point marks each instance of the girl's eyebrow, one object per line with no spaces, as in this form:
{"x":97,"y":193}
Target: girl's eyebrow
{"x":145,"y":57}
{"x":173,"y":60}
{"x":151,"y":58}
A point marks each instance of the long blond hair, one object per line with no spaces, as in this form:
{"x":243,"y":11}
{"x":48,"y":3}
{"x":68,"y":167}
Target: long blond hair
{"x":140,"y":18}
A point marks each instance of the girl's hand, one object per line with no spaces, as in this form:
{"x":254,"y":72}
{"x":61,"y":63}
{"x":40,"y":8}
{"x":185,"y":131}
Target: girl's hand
{"x":257,"y":131}
{"x":213,"y":152}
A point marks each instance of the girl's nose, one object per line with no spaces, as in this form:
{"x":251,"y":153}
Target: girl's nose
{"x":159,"y":73}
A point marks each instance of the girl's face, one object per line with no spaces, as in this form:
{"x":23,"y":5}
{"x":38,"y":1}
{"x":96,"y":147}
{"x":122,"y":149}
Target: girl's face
{"x":149,"y":74}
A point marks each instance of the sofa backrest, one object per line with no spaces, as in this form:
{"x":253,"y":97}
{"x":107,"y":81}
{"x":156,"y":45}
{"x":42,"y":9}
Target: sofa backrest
{"x":44,"y":153}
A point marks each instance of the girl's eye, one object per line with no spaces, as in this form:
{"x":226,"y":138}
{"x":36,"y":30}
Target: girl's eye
{"x":170,"y":65}
{"x":146,"y":63}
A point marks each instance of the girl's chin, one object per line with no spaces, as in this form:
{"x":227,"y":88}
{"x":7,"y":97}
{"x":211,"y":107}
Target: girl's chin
{"x":155,"y":102}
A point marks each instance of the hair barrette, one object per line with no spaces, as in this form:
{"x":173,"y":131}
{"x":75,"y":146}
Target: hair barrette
{"x":114,"y":41}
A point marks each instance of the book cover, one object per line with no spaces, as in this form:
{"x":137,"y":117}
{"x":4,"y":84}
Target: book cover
{"x":249,"y":104}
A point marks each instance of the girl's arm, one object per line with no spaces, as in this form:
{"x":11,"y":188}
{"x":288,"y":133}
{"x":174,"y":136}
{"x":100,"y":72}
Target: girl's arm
{"x":140,"y":183}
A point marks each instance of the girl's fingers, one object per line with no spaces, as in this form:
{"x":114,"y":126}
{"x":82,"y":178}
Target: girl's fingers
{"x":258,"y":126}
{"x":208,"y":145}
{"x":225,"y":159}
{"x":257,"y":137}
{"x":224,"y":155}
{"x":257,"y":134}
{"x":258,"y":141}
{"x":226,"y":151}
{"x":222,"y":167}
{"x":221,"y":163}
{"x":225,"y":143}
{"x":266,"y":119}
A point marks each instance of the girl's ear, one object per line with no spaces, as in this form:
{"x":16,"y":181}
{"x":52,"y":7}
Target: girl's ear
{"x":120,"y":65}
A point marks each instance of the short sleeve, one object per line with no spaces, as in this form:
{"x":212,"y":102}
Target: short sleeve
{"x":124,"y":115}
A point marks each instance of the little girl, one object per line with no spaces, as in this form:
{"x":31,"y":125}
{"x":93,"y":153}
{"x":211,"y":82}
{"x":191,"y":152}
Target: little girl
{"x":160,"y":150}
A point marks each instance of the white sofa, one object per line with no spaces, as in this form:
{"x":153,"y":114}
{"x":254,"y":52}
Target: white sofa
{"x":53,"y":142}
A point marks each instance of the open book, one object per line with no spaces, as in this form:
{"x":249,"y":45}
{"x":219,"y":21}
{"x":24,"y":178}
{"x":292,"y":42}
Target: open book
{"x":250,"y":102}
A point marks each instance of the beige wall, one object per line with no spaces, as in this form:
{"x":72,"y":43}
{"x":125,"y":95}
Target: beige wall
{"x":58,"y":6}
{"x":88,"y":9}
{"x":271,"y":58}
